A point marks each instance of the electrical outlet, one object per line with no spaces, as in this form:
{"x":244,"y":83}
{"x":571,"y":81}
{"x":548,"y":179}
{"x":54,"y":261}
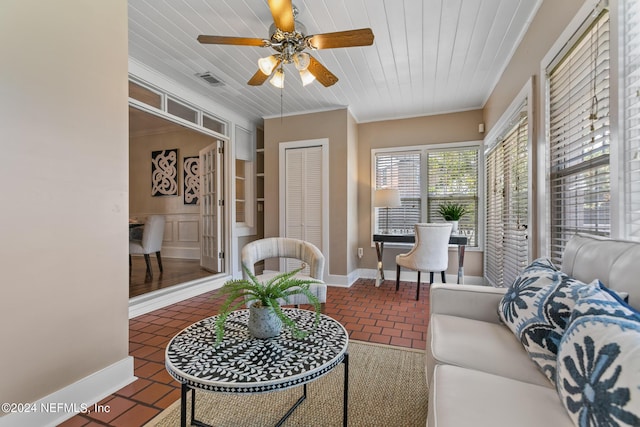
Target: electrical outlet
{"x":360,"y":252}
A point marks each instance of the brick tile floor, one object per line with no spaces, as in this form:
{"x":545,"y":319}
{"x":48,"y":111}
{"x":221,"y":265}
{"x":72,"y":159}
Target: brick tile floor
{"x":379,"y":315}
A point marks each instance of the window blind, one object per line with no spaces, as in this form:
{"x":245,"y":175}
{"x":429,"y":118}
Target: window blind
{"x":452,"y":176}
{"x":400,"y":170}
{"x":494,"y":248}
{"x":631,"y":70}
{"x":506,"y":245}
{"x":579,"y":138}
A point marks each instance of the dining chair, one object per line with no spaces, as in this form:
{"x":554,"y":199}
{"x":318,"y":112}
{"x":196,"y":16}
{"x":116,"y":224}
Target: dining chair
{"x":430,"y":252}
{"x":151,"y":242}
{"x":286,"y":247}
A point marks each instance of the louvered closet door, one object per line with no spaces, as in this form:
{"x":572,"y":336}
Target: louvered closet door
{"x":303,"y":198}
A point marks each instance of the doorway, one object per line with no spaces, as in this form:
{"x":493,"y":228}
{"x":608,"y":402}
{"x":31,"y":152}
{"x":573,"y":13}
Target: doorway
{"x":304,"y":194}
{"x":183,"y":236}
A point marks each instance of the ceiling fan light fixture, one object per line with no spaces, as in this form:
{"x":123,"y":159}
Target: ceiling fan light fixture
{"x":301,"y":60}
{"x":278,"y":78}
{"x":267,"y":64}
{"x":306,"y":77}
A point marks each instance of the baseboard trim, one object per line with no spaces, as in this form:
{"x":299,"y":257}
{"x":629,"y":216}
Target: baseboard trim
{"x":155,"y":300}
{"x":78,"y":397}
{"x":411,"y":276}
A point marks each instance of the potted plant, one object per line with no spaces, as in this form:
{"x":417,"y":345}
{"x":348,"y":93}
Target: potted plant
{"x":452,"y":212}
{"x":266,"y":317}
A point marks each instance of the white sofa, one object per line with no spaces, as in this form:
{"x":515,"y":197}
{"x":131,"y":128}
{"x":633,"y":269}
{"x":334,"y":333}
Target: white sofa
{"x":478,"y":372}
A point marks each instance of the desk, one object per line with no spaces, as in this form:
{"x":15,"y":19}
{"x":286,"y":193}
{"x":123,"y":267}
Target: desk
{"x":380,"y":240}
{"x":242,"y":364}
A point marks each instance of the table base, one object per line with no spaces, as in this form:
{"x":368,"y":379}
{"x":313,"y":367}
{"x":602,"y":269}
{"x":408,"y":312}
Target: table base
{"x":185,"y":389}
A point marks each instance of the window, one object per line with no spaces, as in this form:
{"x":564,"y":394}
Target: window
{"x":425,"y":178}
{"x":579,"y":186}
{"x":143,"y":95}
{"x":631,"y":137}
{"x":181,"y":110}
{"x":452,"y":177}
{"x":507,"y":170}
{"x":400,"y":171}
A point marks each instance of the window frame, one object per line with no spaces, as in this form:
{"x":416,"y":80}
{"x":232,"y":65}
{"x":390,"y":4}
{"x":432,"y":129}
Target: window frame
{"x":424,"y":149}
{"x":522,"y":103}
{"x":587,"y":14}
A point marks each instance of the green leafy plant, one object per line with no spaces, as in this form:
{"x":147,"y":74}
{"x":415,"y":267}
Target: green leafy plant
{"x":452,"y":211}
{"x":254,"y":293}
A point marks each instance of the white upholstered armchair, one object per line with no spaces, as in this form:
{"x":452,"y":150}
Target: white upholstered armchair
{"x":430,"y":252}
{"x":285,"y":247}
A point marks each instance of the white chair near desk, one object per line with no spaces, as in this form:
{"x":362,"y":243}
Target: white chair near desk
{"x":430,"y":252}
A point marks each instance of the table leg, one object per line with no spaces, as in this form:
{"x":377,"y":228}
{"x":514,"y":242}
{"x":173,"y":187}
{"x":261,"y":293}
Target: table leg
{"x":345,"y":404}
{"x":183,"y":408}
{"x":295,"y":405}
{"x":461,"y":264}
{"x":380,"y":272}
{"x":183,"y":405}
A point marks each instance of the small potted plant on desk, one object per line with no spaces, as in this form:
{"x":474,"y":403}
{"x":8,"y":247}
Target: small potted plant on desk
{"x":452,"y":212}
{"x":266,"y":317}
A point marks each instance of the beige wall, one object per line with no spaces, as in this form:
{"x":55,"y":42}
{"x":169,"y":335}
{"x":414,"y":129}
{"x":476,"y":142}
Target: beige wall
{"x":455,"y":127}
{"x":63,"y":118}
{"x":189,"y":143}
{"x":331,"y":125}
{"x":350,"y":174}
{"x":550,"y":21}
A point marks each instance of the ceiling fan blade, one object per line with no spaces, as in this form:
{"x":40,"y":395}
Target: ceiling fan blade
{"x":258,"y":78}
{"x":361,"y":37}
{"x":282,"y":11}
{"x":321,"y":73}
{"x":236,"y":41}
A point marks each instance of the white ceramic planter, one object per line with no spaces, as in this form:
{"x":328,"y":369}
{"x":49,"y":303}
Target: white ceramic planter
{"x":263,"y":322}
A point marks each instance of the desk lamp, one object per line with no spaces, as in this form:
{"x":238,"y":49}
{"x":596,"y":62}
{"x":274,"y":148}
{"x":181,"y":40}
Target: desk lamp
{"x":386,"y":198}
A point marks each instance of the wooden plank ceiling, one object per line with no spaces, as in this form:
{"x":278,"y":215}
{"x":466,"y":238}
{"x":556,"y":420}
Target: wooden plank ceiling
{"x":428,"y":57}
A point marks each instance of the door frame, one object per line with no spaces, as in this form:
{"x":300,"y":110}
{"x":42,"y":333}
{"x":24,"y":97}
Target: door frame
{"x":228,"y":230}
{"x":307,"y":143}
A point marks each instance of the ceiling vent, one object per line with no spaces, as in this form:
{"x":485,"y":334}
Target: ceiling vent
{"x":210,"y":79}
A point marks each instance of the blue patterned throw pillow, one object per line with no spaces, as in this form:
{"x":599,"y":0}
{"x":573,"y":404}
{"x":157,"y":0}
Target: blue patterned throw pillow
{"x":537,"y":308}
{"x":598,"y":370}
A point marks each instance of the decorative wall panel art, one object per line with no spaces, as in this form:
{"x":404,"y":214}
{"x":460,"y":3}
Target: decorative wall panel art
{"x":164,"y":172}
{"x":191,"y":180}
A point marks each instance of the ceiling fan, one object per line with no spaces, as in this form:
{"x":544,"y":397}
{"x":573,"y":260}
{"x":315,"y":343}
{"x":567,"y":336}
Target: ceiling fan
{"x":288,"y":38}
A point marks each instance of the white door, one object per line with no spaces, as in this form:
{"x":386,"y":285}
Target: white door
{"x":303,"y":197}
{"x":211,"y":207}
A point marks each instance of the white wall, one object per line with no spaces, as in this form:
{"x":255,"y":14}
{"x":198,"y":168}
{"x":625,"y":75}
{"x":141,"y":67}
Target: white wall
{"x":63,"y":217}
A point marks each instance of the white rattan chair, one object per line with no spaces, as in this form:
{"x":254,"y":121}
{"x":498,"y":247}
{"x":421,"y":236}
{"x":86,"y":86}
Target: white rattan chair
{"x":284,"y":247}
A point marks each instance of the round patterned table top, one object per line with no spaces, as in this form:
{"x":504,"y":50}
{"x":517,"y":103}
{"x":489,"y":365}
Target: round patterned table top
{"x":243,"y":364}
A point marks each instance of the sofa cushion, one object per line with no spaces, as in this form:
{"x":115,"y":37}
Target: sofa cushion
{"x":598,"y":369}
{"x":460,"y":397}
{"x":485,"y":346}
{"x":537,"y":307}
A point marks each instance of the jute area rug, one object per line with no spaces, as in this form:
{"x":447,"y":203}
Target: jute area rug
{"x":387,"y":387}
